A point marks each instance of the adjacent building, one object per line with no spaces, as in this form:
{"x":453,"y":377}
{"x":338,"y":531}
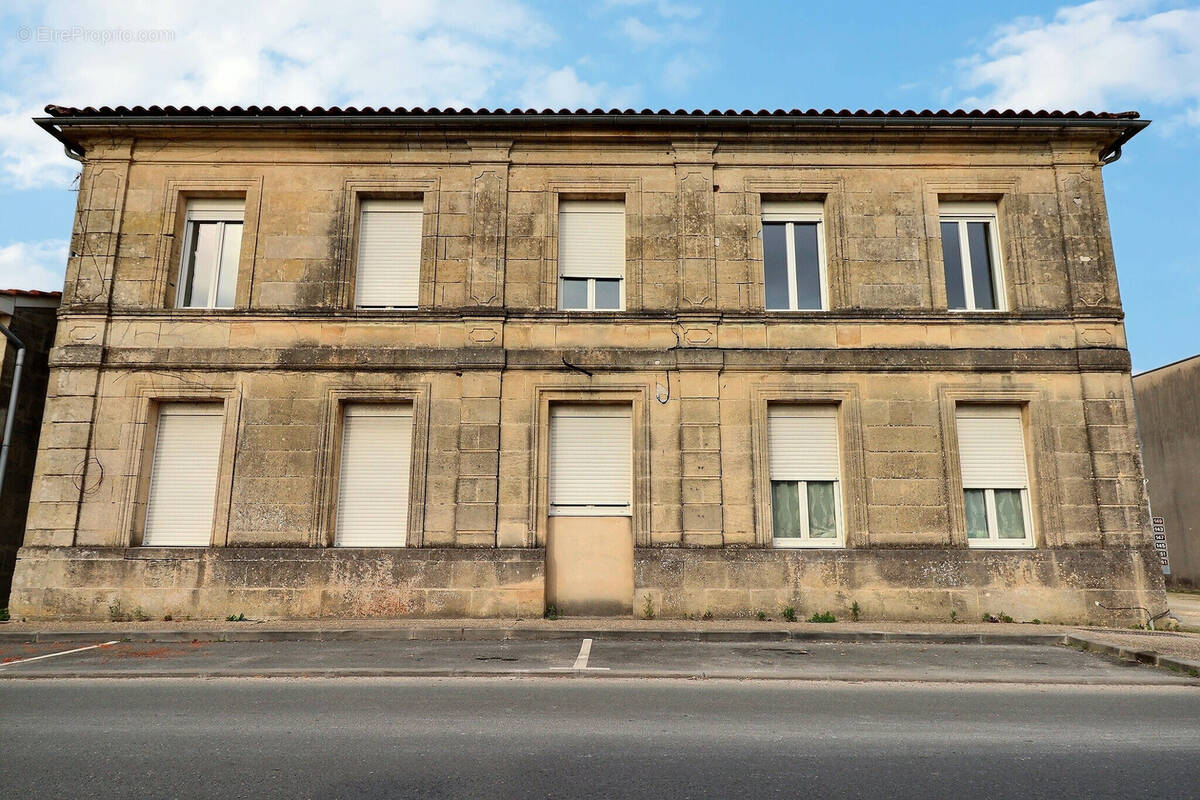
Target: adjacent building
{"x":1168,"y":410}
{"x":357,"y":362}
{"x":28,"y":315}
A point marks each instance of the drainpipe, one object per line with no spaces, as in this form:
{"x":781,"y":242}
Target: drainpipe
{"x":12,"y":401}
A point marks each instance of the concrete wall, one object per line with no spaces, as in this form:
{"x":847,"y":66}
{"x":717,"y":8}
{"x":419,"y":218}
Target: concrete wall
{"x":34,"y":326}
{"x":694,"y":353}
{"x":1168,"y":410}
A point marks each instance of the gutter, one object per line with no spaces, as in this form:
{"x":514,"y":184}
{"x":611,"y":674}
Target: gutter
{"x":56,"y":126}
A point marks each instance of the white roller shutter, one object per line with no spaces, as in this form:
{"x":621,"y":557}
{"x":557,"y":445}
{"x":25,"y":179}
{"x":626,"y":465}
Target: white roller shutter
{"x":591,"y":238}
{"x":792,"y":210}
{"x":803,"y":443}
{"x":389,"y":254}
{"x":991,"y":447}
{"x":373,"y":490}
{"x":591,"y":460}
{"x":183,"y":475}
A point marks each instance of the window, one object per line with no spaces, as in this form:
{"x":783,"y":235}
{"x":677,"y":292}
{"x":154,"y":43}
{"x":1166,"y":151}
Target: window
{"x":183,"y":475}
{"x":212,"y":247}
{"x":372,"y":505}
{"x":591,"y":460}
{"x":806,"y":495}
{"x":591,"y":255}
{"x":991,"y":449}
{"x":971,"y":252}
{"x":793,"y":236}
{"x":389,"y":254}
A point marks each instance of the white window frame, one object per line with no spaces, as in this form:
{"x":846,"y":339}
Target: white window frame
{"x":568,"y":206}
{"x":791,"y":213}
{"x":206,"y":210}
{"x":975,"y":211}
{"x":993,"y":541}
{"x":588,"y":410}
{"x":805,"y":540}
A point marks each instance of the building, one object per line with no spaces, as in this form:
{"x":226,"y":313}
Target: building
{"x":30,"y":317}
{"x":1168,"y":411}
{"x":355,"y":362}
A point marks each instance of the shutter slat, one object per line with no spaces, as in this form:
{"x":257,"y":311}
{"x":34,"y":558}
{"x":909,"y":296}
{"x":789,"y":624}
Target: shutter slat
{"x":373,"y":486}
{"x":991,"y":449}
{"x":591,"y":458}
{"x":183,"y":476}
{"x":389,"y":254}
{"x":591,"y":239}
{"x":803,"y":443}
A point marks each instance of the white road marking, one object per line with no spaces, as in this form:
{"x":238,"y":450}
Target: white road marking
{"x":585,"y":650}
{"x":52,"y":655}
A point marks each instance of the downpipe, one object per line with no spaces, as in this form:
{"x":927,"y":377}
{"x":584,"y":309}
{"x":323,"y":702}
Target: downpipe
{"x":12,"y":402}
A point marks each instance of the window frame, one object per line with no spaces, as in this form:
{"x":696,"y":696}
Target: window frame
{"x":568,"y":205}
{"x":993,"y":540}
{"x":790,"y":213}
{"x":961,"y":213}
{"x":222,"y":212}
{"x":833,"y":410}
{"x":363,"y":207}
{"x":805,"y":538}
{"x":986,"y":410}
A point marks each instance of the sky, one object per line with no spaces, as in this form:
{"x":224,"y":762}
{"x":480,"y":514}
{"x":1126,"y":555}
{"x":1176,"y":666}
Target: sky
{"x":1105,"y":55}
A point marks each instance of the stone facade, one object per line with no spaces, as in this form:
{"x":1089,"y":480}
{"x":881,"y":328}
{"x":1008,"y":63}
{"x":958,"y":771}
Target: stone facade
{"x":487,"y":352}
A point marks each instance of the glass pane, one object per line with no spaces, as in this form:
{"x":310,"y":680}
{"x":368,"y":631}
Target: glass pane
{"x":573,"y":293}
{"x":608,"y":293}
{"x":201,"y":265}
{"x":1010,"y":518}
{"x":785,"y":509}
{"x":981,"y":264}
{"x":231,"y":249}
{"x":775,"y":264}
{"x":822,"y":511}
{"x":808,"y":266}
{"x":976,"y":505}
{"x":956,"y":294}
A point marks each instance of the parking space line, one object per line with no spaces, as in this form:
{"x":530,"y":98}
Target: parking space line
{"x":585,"y":651}
{"x":53,"y":655}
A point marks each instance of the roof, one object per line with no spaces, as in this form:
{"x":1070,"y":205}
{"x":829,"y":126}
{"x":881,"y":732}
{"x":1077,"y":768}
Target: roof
{"x":61,"y":112}
{"x":31,"y":293}
{"x":1180,"y":362}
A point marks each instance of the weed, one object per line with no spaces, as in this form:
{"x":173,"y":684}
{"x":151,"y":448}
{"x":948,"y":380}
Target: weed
{"x":117,"y":613}
{"x":167,"y":618}
{"x":707,"y":616}
{"x":1001,"y":617}
{"x":140,"y":616}
{"x":762,"y":616}
{"x":855,"y":611}
{"x":1005,"y":617}
{"x":551,"y":612}
{"x":789,"y":613}
{"x":1035,"y":621}
{"x":4,"y":615}
{"x":953,"y":616}
{"x":824,"y":617}
{"x":236,"y":618}
{"x":648,"y":608}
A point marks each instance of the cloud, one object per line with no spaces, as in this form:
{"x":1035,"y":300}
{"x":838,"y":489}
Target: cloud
{"x":639,"y":33}
{"x":680,"y":71}
{"x":562,"y":88}
{"x":33,"y":265}
{"x":416,"y":53}
{"x":1103,"y":55}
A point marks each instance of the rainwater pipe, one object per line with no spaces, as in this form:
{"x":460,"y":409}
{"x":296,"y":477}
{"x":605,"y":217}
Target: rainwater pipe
{"x":12,"y":401}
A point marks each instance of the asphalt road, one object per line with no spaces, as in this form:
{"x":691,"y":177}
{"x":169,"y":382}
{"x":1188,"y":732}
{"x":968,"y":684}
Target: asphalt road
{"x":539,"y":737}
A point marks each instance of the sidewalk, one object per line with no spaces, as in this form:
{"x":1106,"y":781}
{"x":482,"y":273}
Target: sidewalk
{"x":1131,"y":644}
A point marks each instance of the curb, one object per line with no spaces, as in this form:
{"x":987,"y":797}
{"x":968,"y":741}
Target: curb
{"x":1149,"y":657}
{"x":526,"y":634}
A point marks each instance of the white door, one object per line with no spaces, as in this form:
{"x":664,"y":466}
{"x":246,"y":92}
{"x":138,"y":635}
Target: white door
{"x":183,"y":475}
{"x":373,"y":490}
